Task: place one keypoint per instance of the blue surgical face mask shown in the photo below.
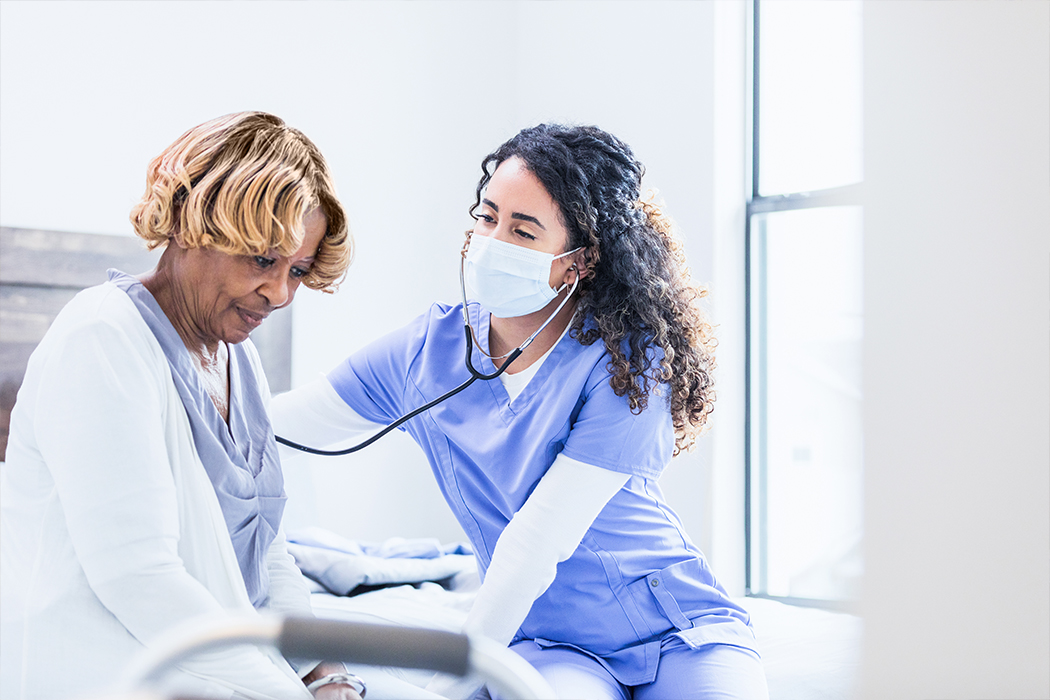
(507, 279)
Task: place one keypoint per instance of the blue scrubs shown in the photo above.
(636, 577)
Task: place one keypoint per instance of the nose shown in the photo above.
(278, 290)
(504, 232)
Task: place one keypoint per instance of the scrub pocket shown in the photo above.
(661, 594)
(680, 601)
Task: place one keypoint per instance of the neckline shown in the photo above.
(183, 363)
(547, 364)
(521, 380)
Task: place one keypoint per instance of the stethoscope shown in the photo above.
(474, 373)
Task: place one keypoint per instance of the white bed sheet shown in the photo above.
(808, 654)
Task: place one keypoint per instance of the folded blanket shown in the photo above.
(341, 565)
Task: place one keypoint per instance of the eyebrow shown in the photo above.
(515, 215)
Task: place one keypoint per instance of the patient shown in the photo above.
(142, 487)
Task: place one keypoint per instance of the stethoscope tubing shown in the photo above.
(474, 375)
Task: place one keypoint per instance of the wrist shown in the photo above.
(347, 679)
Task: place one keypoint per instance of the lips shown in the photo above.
(251, 319)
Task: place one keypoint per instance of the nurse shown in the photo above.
(552, 470)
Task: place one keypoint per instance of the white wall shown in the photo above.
(957, 350)
(405, 99)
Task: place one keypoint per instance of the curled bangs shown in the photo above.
(246, 208)
(242, 184)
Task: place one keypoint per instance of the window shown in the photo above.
(804, 303)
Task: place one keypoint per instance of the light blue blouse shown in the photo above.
(636, 578)
(241, 458)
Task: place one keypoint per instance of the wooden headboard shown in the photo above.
(40, 271)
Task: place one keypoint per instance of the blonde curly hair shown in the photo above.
(242, 184)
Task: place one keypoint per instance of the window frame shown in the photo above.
(846, 195)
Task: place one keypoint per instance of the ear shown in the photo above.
(582, 262)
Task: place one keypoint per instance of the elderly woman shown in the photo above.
(142, 487)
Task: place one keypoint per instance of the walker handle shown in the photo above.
(375, 645)
(356, 642)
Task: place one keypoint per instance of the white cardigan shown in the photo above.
(110, 530)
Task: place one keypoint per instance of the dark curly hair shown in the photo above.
(639, 293)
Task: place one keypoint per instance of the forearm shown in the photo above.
(334, 683)
(544, 532)
(289, 593)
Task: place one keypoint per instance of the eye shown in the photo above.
(299, 272)
(527, 236)
(263, 262)
(486, 218)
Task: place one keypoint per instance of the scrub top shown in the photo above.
(636, 578)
